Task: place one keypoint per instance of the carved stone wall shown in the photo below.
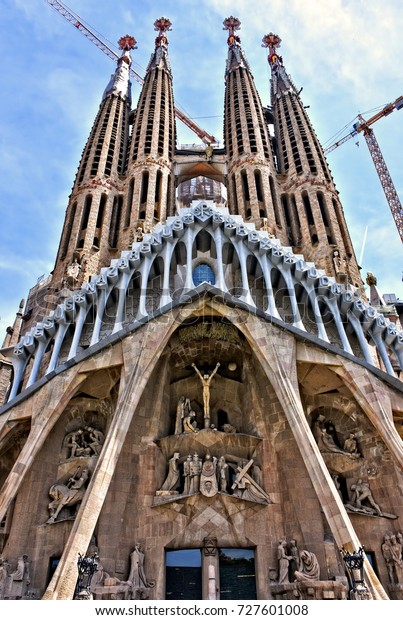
(243, 396)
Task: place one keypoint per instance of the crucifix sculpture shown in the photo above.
(206, 380)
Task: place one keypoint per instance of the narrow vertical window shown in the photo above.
(68, 229)
(274, 201)
(100, 219)
(245, 186)
(144, 188)
(115, 221)
(258, 184)
(235, 195)
(84, 221)
(129, 203)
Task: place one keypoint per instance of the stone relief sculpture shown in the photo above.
(95, 439)
(361, 492)
(67, 495)
(186, 475)
(283, 562)
(183, 409)
(295, 565)
(20, 578)
(173, 479)
(194, 473)
(361, 499)
(191, 474)
(397, 560)
(189, 423)
(83, 442)
(310, 568)
(137, 586)
(350, 445)
(137, 577)
(138, 235)
(340, 264)
(392, 553)
(327, 443)
(363, 502)
(387, 555)
(245, 486)
(222, 474)
(3, 577)
(73, 270)
(206, 380)
(73, 442)
(185, 418)
(14, 585)
(208, 477)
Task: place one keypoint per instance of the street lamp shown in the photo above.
(86, 566)
(354, 569)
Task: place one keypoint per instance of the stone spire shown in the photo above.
(159, 58)
(12, 336)
(150, 168)
(281, 83)
(91, 229)
(313, 214)
(13, 332)
(251, 167)
(236, 57)
(120, 84)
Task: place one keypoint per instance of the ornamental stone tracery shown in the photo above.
(269, 278)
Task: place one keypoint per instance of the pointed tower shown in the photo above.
(252, 185)
(91, 229)
(310, 203)
(210, 395)
(10, 340)
(150, 196)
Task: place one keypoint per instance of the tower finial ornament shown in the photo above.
(281, 81)
(127, 42)
(272, 41)
(162, 25)
(232, 24)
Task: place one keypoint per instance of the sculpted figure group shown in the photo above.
(85, 441)
(294, 565)
(362, 501)
(392, 551)
(326, 438)
(137, 586)
(360, 498)
(192, 474)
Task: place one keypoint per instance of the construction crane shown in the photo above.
(76, 21)
(364, 126)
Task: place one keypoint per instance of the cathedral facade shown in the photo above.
(208, 408)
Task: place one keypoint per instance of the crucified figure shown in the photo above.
(206, 380)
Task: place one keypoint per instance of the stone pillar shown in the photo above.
(277, 355)
(210, 570)
(142, 352)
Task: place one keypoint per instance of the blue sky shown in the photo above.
(345, 54)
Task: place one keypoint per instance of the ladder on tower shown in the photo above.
(364, 126)
(76, 21)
